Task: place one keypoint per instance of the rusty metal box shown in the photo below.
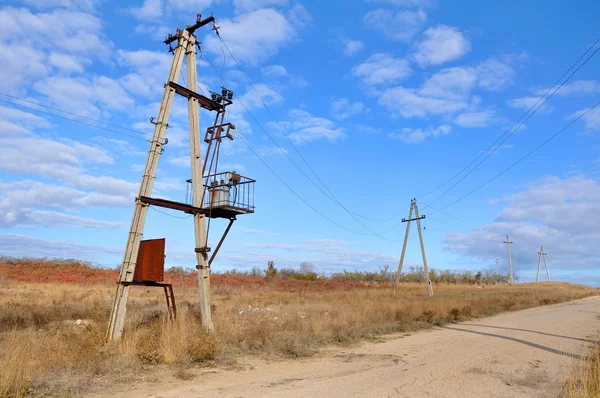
(150, 265)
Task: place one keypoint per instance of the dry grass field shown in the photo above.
(52, 334)
(584, 379)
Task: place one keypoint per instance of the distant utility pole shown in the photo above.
(511, 279)
(497, 262)
(413, 207)
(542, 253)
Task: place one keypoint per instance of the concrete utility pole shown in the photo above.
(117, 316)
(542, 253)
(410, 212)
(497, 262)
(413, 207)
(508, 243)
(197, 188)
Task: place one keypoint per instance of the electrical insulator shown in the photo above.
(224, 92)
(213, 96)
(230, 94)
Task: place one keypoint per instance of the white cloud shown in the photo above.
(494, 75)
(409, 103)
(270, 151)
(242, 6)
(31, 155)
(475, 119)
(153, 10)
(401, 25)
(70, 32)
(122, 147)
(352, 47)
(412, 135)
(182, 161)
(406, 3)
(82, 96)
(523, 102)
(25, 119)
(149, 71)
(57, 220)
(20, 245)
(25, 203)
(257, 231)
(535, 217)
(591, 119)
(88, 5)
(22, 63)
(153, 31)
(268, 95)
(149, 10)
(578, 87)
(304, 128)
(449, 91)
(274, 71)
(451, 83)
(367, 129)
(441, 44)
(326, 254)
(382, 68)
(299, 16)
(258, 35)
(342, 108)
(66, 63)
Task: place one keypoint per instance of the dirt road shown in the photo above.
(519, 354)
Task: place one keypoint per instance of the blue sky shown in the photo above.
(384, 99)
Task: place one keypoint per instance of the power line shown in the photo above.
(333, 197)
(442, 222)
(518, 120)
(522, 123)
(296, 165)
(170, 215)
(70, 113)
(296, 193)
(523, 158)
(74, 120)
(446, 214)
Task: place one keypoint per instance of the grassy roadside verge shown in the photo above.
(584, 377)
(52, 335)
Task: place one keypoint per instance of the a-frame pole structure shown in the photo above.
(117, 316)
(542, 253)
(510, 271)
(417, 218)
(186, 43)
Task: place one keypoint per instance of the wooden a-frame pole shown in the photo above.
(119, 309)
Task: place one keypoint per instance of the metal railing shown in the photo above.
(229, 190)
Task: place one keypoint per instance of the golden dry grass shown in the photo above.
(43, 351)
(584, 378)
